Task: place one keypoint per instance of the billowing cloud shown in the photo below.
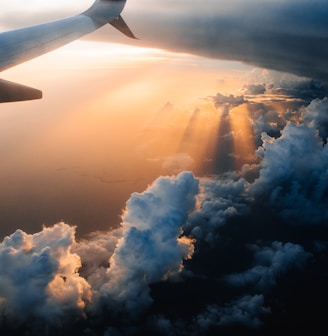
(219, 200)
(152, 247)
(95, 252)
(40, 283)
(316, 114)
(39, 278)
(293, 174)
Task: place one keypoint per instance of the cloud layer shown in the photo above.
(230, 252)
(286, 36)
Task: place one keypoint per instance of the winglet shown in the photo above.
(120, 24)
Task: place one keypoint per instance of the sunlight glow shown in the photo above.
(113, 118)
(244, 145)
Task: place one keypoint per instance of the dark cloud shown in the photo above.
(301, 88)
(274, 99)
(270, 263)
(230, 101)
(292, 87)
(255, 89)
(290, 36)
(244, 311)
(266, 119)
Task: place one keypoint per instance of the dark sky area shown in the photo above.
(235, 245)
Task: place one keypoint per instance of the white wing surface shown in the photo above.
(20, 45)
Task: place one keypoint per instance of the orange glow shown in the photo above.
(111, 121)
(244, 146)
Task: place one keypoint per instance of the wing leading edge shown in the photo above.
(20, 45)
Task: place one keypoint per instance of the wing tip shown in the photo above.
(14, 92)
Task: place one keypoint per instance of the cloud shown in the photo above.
(278, 180)
(215, 254)
(39, 282)
(268, 121)
(220, 200)
(230, 101)
(293, 175)
(234, 215)
(178, 239)
(289, 36)
(316, 115)
(254, 89)
(95, 251)
(152, 247)
(274, 99)
(271, 263)
(39, 279)
(244, 311)
(276, 83)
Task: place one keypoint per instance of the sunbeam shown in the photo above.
(243, 137)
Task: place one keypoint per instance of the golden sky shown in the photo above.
(113, 118)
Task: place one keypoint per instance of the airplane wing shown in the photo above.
(20, 45)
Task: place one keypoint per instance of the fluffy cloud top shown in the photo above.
(152, 247)
(39, 280)
(39, 276)
(293, 175)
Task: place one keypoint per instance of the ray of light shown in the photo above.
(243, 138)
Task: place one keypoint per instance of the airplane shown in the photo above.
(20, 45)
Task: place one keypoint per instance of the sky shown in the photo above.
(172, 185)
